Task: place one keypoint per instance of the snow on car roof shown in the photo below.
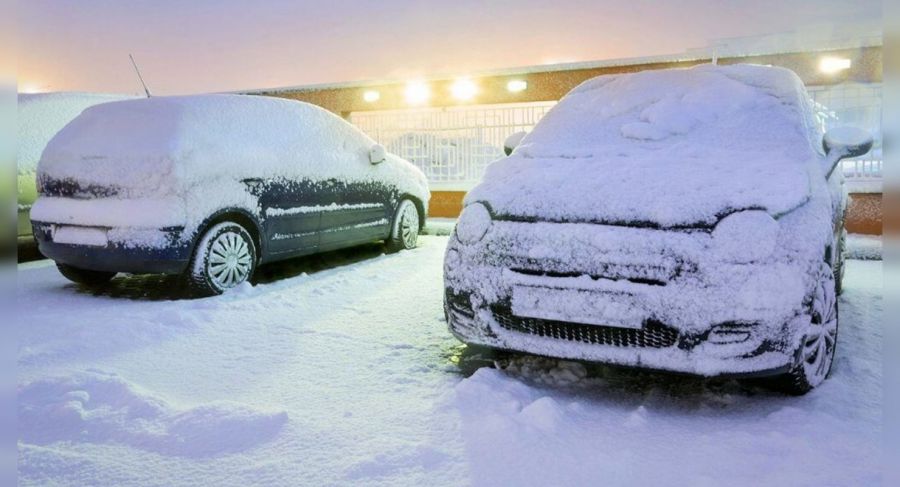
(227, 131)
(669, 147)
(196, 138)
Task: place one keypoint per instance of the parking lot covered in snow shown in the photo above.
(340, 369)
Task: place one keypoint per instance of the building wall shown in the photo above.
(555, 81)
(864, 215)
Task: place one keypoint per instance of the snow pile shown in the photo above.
(671, 147)
(863, 247)
(103, 408)
(197, 150)
(439, 226)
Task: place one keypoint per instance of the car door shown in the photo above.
(291, 210)
(358, 207)
(358, 211)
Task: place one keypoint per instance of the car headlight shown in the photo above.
(473, 224)
(745, 236)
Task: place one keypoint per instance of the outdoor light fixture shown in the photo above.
(831, 65)
(517, 85)
(417, 92)
(371, 96)
(463, 89)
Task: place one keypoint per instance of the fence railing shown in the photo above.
(452, 145)
(862, 169)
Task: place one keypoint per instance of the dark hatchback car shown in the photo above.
(213, 186)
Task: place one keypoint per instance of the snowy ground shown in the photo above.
(340, 370)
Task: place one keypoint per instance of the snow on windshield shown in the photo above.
(740, 107)
(676, 147)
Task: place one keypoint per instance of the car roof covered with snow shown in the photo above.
(668, 148)
(164, 144)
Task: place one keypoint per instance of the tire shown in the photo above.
(224, 258)
(818, 346)
(405, 228)
(839, 264)
(84, 276)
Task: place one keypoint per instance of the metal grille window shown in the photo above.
(452, 145)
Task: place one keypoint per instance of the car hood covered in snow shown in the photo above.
(666, 148)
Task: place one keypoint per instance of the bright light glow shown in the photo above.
(517, 85)
(371, 96)
(831, 65)
(464, 89)
(30, 88)
(417, 92)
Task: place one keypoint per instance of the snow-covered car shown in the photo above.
(685, 220)
(213, 185)
(40, 116)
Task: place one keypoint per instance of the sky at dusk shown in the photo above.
(190, 46)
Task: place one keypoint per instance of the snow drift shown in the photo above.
(103, 408)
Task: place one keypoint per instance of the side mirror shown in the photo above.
(377, 154)
(513, 141)
(845, 142)
(848, 141)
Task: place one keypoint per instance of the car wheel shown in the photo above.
(405, 231)
(224, 258)
(818, 346)
(84, 276)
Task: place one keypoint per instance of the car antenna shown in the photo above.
(138, 71)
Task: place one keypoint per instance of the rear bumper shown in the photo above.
(172, 258)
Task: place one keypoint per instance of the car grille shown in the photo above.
(460, 304)
(652, 335)
(620, 253)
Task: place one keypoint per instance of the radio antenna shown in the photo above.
(138, 71)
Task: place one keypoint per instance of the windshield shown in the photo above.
(702, 111)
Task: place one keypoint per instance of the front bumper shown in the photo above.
(672, 309)
(655, 346)
(170, 253)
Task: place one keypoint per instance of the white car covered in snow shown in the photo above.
(211, 186)
(687, 220)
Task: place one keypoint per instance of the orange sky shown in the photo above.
(219, 45)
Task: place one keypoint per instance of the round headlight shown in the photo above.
(745, 236)
(473, 224)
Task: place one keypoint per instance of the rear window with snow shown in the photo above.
(42, 115)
